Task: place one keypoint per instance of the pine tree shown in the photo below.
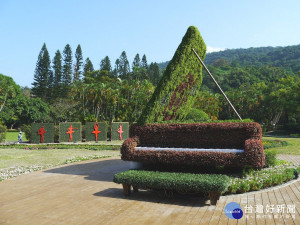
(57, 72)
(144, 63)
(136, 61)
(105, 64)
(116, 69)
(88, 66)
(41, 74)
(124, 68)
(67, 69)
(78, 64)
(154, 73)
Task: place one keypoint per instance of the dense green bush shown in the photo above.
(180, 84)
(2, 132)
(184, 182)
(197, 115)
(27, 130)
(270, 158)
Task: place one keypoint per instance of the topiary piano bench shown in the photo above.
(197, 144)
(212, 184)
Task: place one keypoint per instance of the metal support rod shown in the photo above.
(211, 76)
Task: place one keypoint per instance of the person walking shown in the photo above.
(20, 137)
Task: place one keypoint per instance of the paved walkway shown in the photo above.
(84, 193)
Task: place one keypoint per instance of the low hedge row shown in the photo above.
(183, 182)
(62, 146)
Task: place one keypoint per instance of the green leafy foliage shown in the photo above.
(270, 158)
(286, 57)
(259, 179)
(185, 182)
(178, 88)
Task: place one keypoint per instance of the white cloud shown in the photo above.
(210, 49)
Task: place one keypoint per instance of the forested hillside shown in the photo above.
(285, 57)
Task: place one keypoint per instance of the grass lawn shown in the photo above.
(13, 136)
(12, 157)
(293, 147)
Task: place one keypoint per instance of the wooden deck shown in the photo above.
(84, 193)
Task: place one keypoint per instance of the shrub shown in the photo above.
(270, 158)
(27, 130)
(3, 130)
(176, 92)
(183, 182)
(197, 115)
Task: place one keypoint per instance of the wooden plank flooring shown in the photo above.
(84, 193)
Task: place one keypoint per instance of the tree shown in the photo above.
(136, 62)
(105, 64)
(154, 73)
(23, 110)
(116, 69)
(57, 71)
(78, 64)
(88, 66)
(123, 70)
(42, 74)
(144, 63)
(67, 68)
(8, 89)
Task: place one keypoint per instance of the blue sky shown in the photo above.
(155, 28)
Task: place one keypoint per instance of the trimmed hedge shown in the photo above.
(90, 127)
(176, 92)
(63, 128)
(48, 135)
(245, 136)
(184, 182)
(115, 135)
(94, 147)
